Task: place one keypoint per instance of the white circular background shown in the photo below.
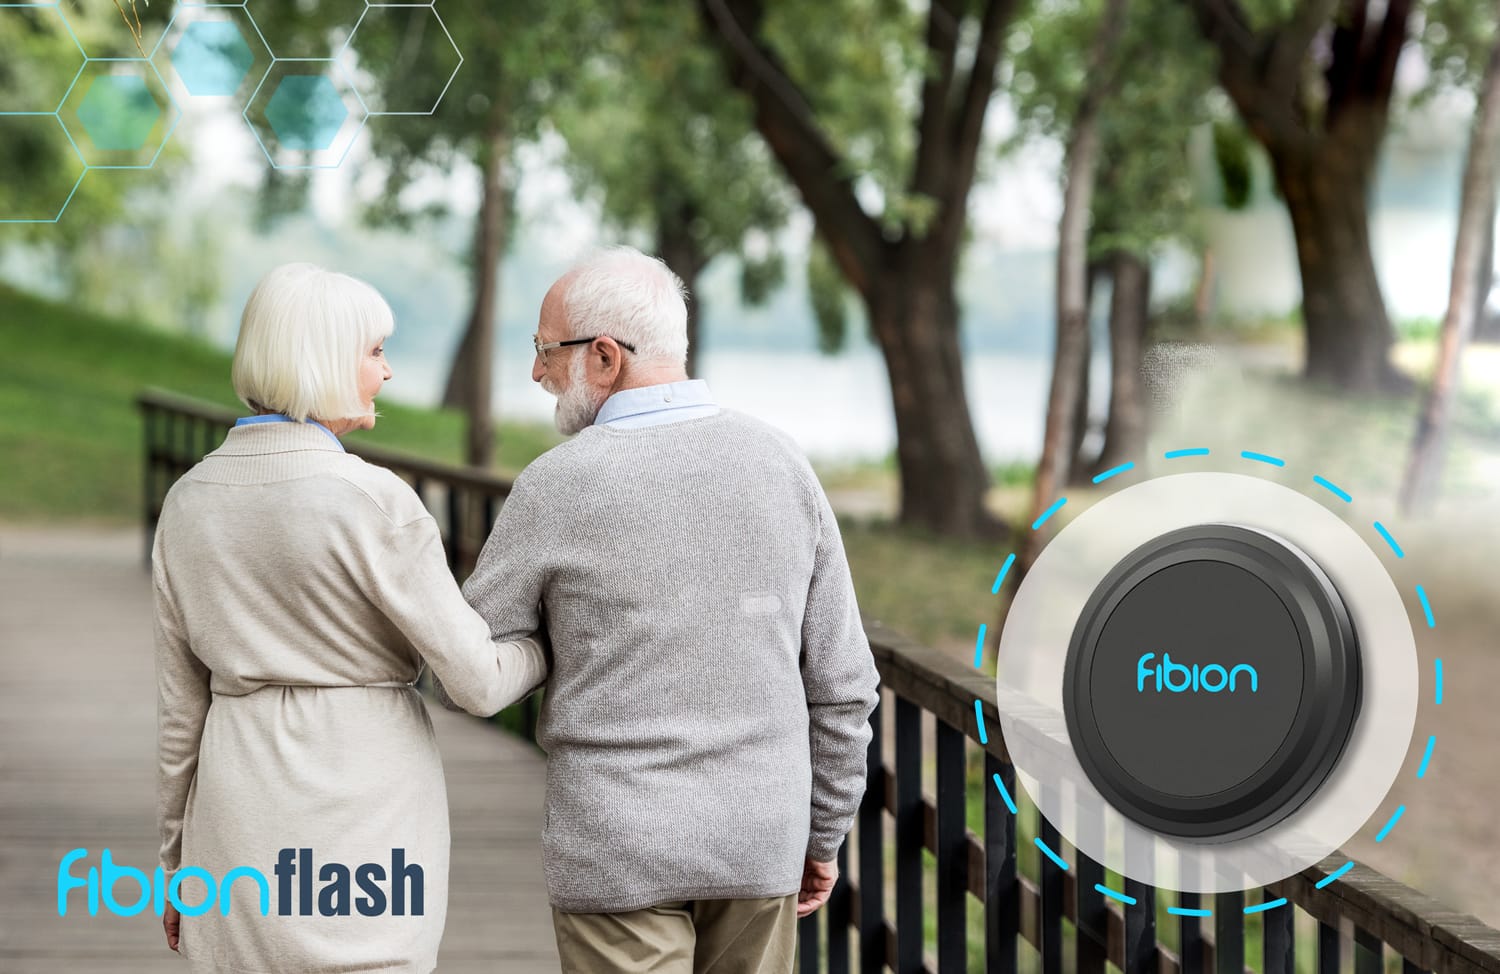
(1034, 646)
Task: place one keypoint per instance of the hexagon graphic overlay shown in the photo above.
(403, 58)
(212, 52)
(119, 113)
(212, 57)
(305, 113)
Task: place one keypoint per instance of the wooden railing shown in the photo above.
(1375, 922)
(928, 699)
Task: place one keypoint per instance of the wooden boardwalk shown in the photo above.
(77, 768)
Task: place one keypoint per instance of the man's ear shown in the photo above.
(608, 357)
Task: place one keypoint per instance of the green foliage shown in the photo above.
(1232, 150)
(860, 63)
(1456, 37)
(932, 589)
(657, 133)
(1424, 329)
(1162, 72)
(518, 56)
(829, 296)
(760, 277)
(38, 61)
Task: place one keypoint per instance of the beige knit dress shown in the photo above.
(298, 590)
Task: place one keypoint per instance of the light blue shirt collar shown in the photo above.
(668, 402)
(279, 418)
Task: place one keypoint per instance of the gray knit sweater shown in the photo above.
(707, 714)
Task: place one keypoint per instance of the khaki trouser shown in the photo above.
(750, 936)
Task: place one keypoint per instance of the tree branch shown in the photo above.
(1271, 115)
(787, 123)
(1348, 51)
(1225, 25)
(944, 18)
(965, 134)
(1288, 49)
(1379, 77)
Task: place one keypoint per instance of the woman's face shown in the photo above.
(374, 370)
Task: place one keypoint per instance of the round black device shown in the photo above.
(1212, 682)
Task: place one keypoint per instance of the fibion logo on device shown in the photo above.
(333, 898)
(1171, 677)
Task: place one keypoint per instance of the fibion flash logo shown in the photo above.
(334, 898)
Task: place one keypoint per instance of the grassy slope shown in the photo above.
(70, 435)
(70, 450)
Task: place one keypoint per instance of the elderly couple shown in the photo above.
(673, 575)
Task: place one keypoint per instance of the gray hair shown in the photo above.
(631, 297)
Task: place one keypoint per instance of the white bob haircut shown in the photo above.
(633, 298)
(303, 334)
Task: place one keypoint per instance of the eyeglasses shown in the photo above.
(541, 346)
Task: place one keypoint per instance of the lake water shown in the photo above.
(837, 408)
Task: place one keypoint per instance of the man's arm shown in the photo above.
(842, 686)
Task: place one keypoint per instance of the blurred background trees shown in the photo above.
(829, 175)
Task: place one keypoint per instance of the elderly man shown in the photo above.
(707, 715)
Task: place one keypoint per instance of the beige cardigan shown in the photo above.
(298, 590)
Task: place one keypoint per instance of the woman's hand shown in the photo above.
(171, 922)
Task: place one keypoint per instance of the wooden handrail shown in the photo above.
(471, 478)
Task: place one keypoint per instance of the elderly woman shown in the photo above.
(298, 590)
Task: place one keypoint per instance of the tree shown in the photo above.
(1144, 198)
(673, 155)
(116, 233)
(1070, 360)
(1142, 194)
(1473, 257)
(888, 195)
(518, 57)
(1314, 88)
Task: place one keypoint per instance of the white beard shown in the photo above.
(577, 404)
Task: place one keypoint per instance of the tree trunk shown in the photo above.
(681, 251)
(1077, 463)
(1070, 357)
(1476, 215)
(1486, 326)
(470, 384)
(905, 277)
(914, 316)
(1348, 333)
(1203, 295)
(1323, 135)
(1129, 312)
